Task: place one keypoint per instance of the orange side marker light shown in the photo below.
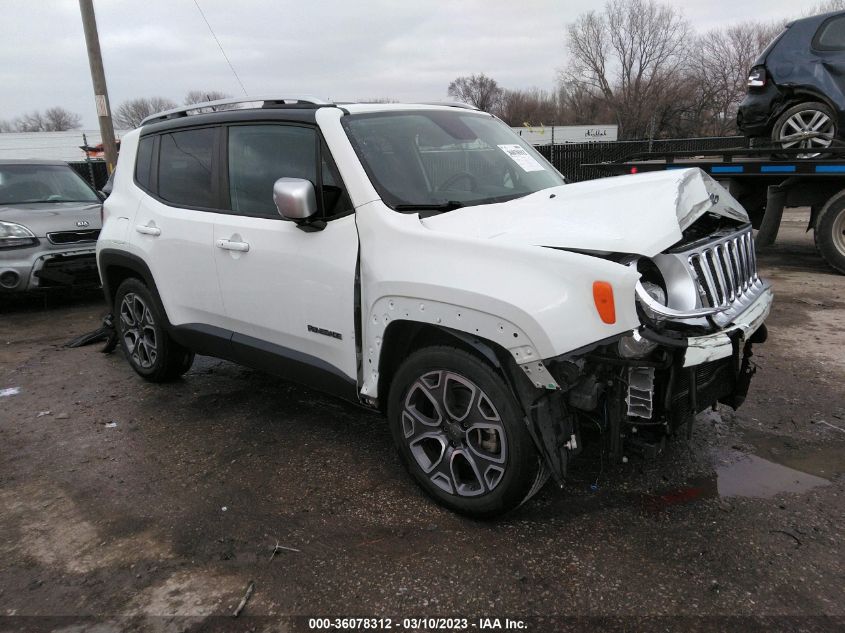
(603, 297)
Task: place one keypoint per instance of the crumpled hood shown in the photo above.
(642, 214)
(46, 217)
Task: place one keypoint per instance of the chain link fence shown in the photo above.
(570, 158)
(93, 171)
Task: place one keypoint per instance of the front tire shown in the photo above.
(829, 232)
(139, 323)
(461, 435)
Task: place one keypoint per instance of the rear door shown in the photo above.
(286, 291)
(174, 228)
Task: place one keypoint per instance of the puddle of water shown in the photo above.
(738, 475)
(743, 475)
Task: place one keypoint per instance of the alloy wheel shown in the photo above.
(454, 433)
(809, 129)
(137, 327)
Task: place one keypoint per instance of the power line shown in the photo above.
(220, 46)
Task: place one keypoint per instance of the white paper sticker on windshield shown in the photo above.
(522, 158)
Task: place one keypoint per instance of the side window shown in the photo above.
(261, 154)
(831, 35)
(184, 167)
(144, 161)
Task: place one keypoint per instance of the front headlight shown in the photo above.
(16, 236)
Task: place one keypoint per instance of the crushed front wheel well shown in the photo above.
(403, 338)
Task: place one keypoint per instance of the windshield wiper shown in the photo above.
(441, 207)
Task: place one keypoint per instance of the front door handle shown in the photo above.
(148, 230)
(226, 245)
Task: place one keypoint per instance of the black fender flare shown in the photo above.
(110, 258)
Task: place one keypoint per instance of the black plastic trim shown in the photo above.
(109, 257)
(275, 359)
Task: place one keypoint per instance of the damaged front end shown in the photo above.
(702, 306)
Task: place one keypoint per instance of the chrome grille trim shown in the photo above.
(724, 270)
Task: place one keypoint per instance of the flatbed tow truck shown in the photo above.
(765, 181)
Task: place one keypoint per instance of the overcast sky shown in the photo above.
(402, 49)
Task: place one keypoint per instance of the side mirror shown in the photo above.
(295, 198)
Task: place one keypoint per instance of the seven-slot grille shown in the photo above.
(726, 269)
(74, 237)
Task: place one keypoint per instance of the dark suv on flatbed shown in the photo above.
(796, 88)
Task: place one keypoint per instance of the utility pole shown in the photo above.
(98, 78)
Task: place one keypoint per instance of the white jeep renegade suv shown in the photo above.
(425, 261)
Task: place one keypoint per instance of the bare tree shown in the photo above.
(528, 107)
(58, 119)
(719, 72)
(6, 126)
(30, 122)
(201, 96)
(129, 114)
(578, 105)
(824, 6)
(478, 90)
(631, 54)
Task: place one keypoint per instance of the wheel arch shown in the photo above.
(117, 266)
(799, 95)
(496, 339)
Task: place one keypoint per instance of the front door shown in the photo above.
(287, 292)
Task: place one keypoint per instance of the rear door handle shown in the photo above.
(226, 245)
(148, 230)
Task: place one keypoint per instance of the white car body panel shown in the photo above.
(643, 214)
(543, 295)
(289, 280)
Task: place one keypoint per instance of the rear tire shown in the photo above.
(829, 232)
(461, 433)
(140, 331)
(806, 125)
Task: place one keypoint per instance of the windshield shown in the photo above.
(20, 184)
(443, 160)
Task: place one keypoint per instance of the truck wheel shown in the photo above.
(811, 125)
(829, 232)
(461, 434)
(148, 348)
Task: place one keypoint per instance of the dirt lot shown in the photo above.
(120, 499)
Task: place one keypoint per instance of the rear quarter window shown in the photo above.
(831, 34)
(144, 162)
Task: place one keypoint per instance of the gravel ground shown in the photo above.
(141, 507)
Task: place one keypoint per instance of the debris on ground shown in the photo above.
(833, 426)
(41, 414)
(281, 548)
(250, 588)
(105, 333)
(111, 425)
(797, 540)
(10, 391)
